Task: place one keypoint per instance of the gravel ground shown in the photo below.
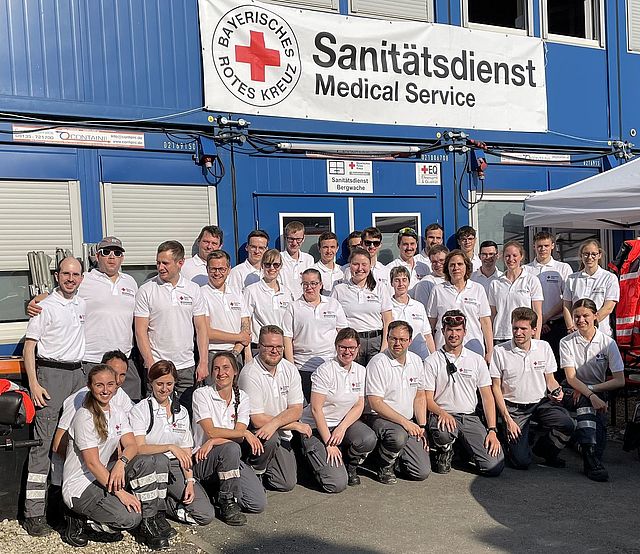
(15, 540)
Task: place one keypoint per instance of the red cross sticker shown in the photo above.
(258, 56)
(424, 169)
(352, 165)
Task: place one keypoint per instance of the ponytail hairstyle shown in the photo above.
(371, 280)
(588, 304)
(236, 389)
(91, 404)
(583, 245)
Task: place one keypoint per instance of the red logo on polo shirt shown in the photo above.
(256, 55)
(233, 416)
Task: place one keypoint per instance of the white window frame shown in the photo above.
(333, 5)
(527, 31)
(630, 30)
(598, 42)
(13, 332)
(430, 15)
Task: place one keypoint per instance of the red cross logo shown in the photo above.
(352, 165)
(258, 56)
(424, 169)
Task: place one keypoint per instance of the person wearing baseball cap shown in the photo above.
(110, 298)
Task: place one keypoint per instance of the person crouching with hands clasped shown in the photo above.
(453, 375)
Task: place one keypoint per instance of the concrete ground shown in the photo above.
(539, 510)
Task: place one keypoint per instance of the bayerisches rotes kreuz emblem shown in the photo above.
(256, 55)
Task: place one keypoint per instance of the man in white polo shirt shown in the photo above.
(525, 389)
(552, 275)
(195, 268)
(168, 310)
(329, 270)
(109, 295)
(408, 246)
(294, 260)
(433, 236)
(488, 271)
(437, 257)
(395, 392)
(275, 393)
(58, 334)
(229, 321)
(250, 271)
(453, 377)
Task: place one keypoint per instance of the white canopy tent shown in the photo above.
(609, 200)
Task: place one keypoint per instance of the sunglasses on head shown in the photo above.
(372, 242)
(454, 320)
(407, 231)
(274, 265)
(115, 251)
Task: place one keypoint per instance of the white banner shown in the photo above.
(269, 60)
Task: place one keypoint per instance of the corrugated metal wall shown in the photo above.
(97, 54)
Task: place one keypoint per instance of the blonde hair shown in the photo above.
(91, 404)
(586, 243)
(271, 256)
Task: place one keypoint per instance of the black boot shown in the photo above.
(442, 459)
(164, 526)
(544, 449)
(593, 467)
(74, 532)
(386, 475)
(149, 534)
(353, 478)
(231, 513)
(97, 533)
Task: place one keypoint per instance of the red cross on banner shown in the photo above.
(258, 56)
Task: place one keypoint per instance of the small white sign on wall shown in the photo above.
(428, 174)
(349, 176)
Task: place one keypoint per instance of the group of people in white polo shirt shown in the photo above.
(247, 375)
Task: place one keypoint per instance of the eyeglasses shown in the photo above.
(375, 243)
(310, 284)
(107, 251)
(217, 269)
(278, 348)
(590, 254)
(454, 320)
(347, 348)
(274, 265)
(401, 340)
(293, 239)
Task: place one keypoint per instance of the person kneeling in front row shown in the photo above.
(96, 489)
(453, 375)
(395, 391)
(340, 441)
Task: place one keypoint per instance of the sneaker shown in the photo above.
(353, 479)
(37, 526)
(164, 526)
(231, 513)
(386, 475)
(149, 535)
(74, 533)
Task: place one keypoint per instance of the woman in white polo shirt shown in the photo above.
(586, 355)
(221, 414)
(366, 304)
(340, 442)
(162, 430)
(95, 488)
(516, 288)
(413, 312)
(591, 282)
(459, 292)
(268, 299)
(310, 326)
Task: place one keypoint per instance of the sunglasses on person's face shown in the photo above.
(107, 251)
(274, 265)
(375, 243)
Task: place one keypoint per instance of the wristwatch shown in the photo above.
(124, 459)
(494, 429)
